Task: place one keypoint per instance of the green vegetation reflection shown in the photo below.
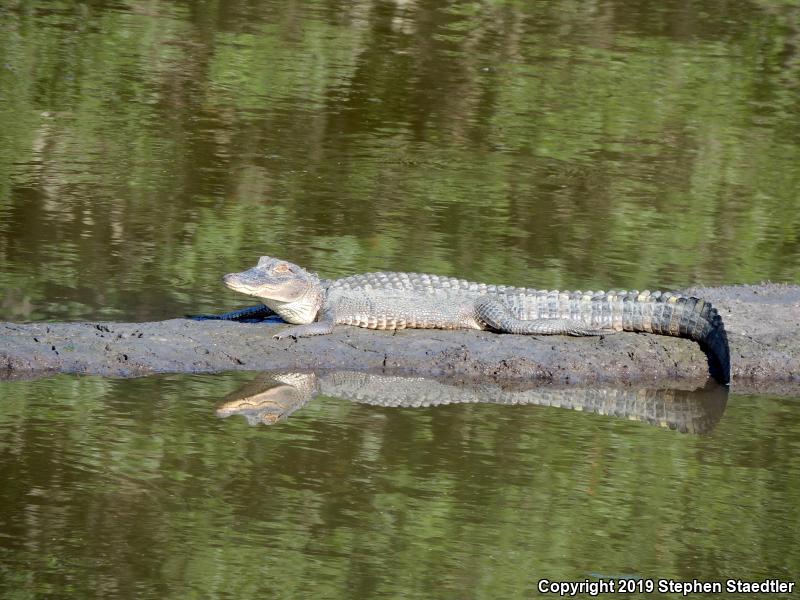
(150, 148)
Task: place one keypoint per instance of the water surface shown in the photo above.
(134, 488)
(148, 148)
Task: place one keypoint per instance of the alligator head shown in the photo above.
(292, 292)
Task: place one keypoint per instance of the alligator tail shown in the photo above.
(681, 316)
(715, 339)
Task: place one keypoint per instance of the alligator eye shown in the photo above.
(282, 268)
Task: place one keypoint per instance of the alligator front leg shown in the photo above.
(259, 311)
(317, 328)
(498, 317)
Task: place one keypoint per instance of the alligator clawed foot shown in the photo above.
(284, 335)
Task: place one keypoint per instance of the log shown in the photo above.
(763, 324)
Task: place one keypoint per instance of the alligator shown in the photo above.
(390, 300)
(272, 397)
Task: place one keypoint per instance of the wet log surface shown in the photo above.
(763, 325)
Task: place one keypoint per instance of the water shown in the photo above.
(147, 148)
(134, 488)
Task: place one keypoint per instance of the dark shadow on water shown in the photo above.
(272, 397)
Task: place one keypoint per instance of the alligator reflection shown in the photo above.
(272, 397)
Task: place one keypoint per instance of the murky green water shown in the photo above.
(146, 148)
(149, 147)
(134, 488)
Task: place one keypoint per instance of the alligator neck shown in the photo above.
(301, 311)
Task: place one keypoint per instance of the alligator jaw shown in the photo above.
(257, 282)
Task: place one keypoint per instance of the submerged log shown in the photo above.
(763, 325)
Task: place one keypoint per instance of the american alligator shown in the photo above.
(272, 397)
(388, 300)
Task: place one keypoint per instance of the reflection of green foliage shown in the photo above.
(250, 71)
(134, 485)
(148, 150)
